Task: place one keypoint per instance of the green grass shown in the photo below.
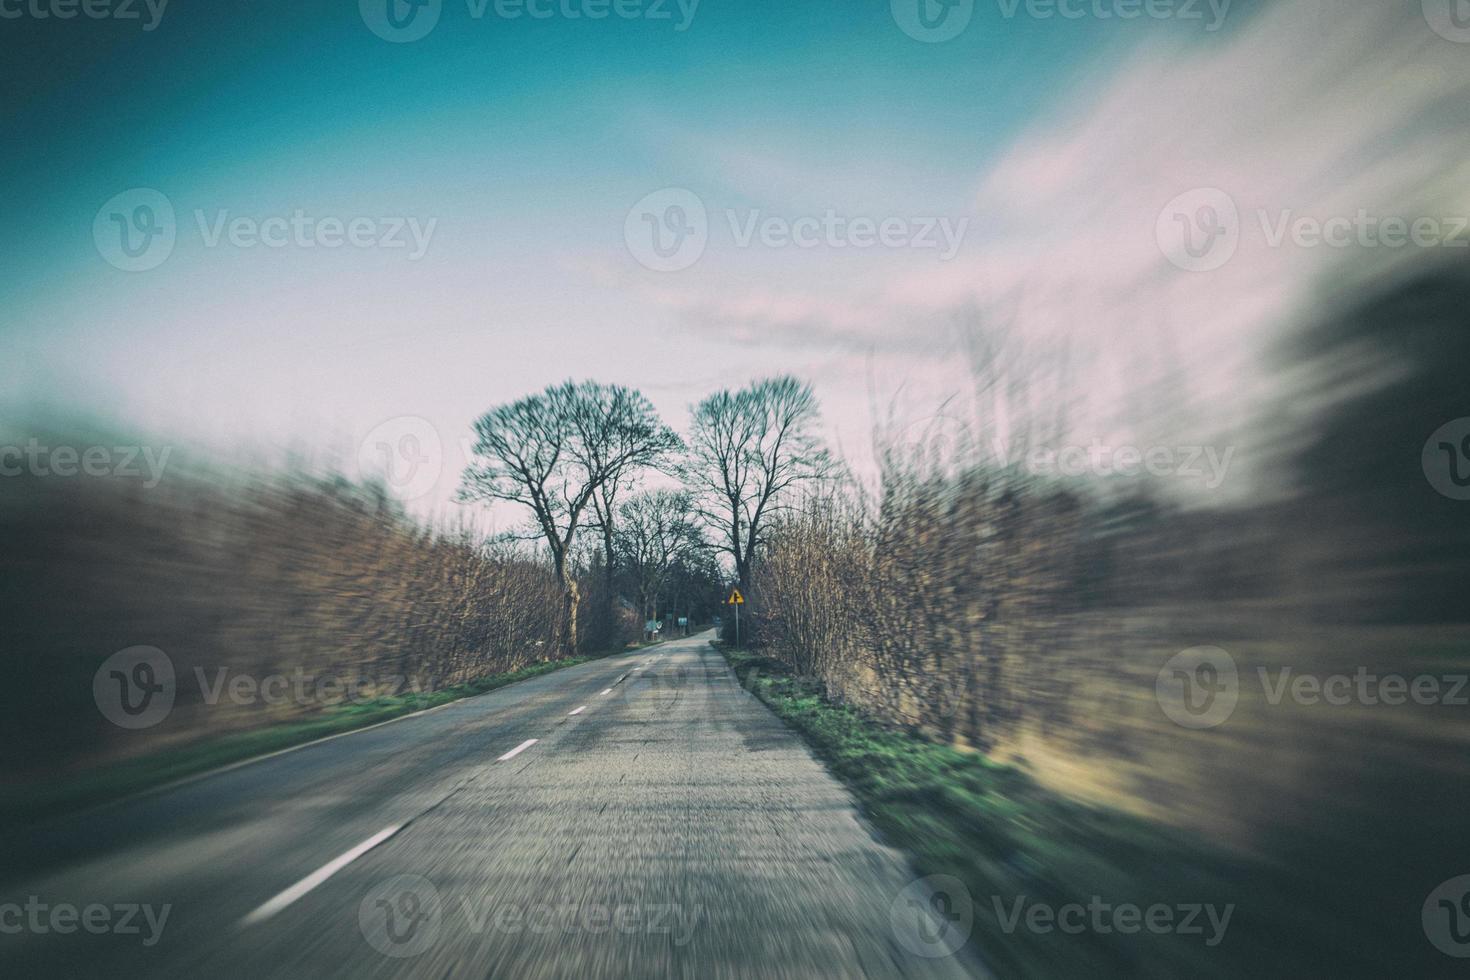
(31, 802)
(1003, 835)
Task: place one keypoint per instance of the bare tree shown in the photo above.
(747, 449)
(605, 510)
(552, 452)
(656, 531)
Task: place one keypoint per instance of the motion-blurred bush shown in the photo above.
(272, 574)
(1030, 619)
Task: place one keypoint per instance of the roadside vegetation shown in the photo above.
(277, 602)
(1023, 623)
(136, 775)
(1015, 844)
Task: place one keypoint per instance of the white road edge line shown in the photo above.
(318, 876)
(518, 749)
(577, 711)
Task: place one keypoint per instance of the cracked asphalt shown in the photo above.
(670, 827)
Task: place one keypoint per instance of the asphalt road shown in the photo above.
(663, 823)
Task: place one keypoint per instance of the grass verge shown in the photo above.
(1017, 846)
(23, 804)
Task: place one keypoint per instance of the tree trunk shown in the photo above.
(571, 599)
(607, 559)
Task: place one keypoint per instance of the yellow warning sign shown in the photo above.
(736, 599)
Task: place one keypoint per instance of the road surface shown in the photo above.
(661, 823)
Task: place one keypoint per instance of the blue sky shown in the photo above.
(525, 143)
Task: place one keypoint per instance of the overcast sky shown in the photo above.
(1021, 177)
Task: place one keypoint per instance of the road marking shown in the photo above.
(518, 749)
(318, 876)
(608, 691)
(578, 711)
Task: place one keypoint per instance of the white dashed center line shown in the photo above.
(608, 691)
(578, 711)
(518, 750)
(318, 876)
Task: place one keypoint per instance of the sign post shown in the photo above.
(737, 600)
